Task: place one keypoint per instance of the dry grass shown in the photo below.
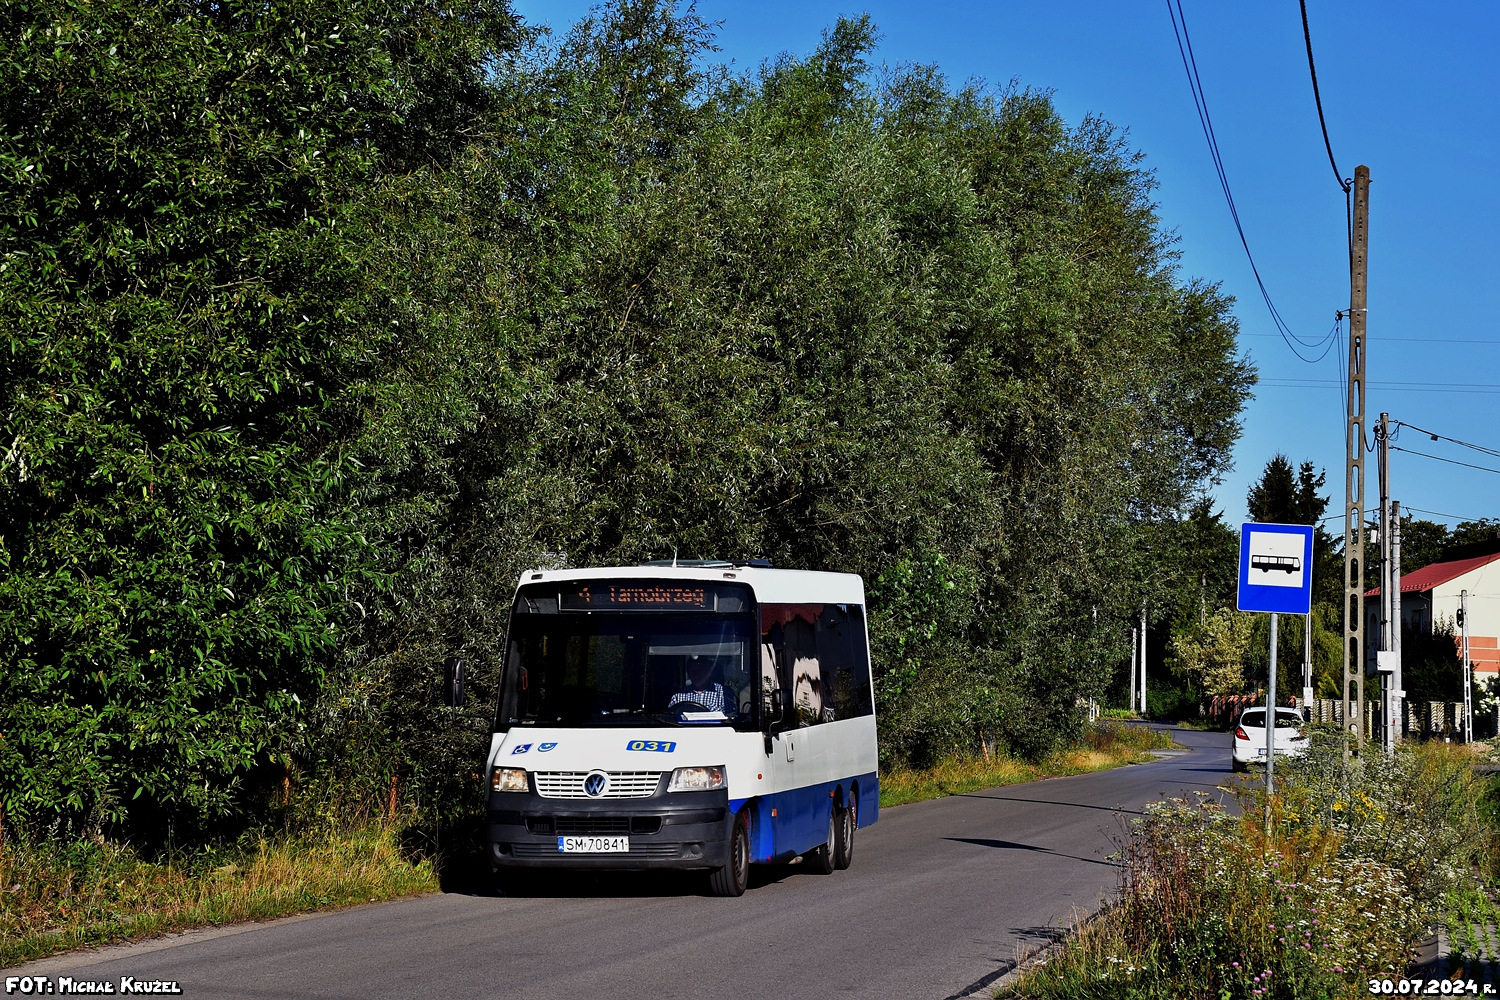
(1108, 744)
(1358, 858)
(57, 897)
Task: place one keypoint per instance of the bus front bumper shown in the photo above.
(679, 830)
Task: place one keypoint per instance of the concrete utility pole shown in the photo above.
(1398, 695)
(1463, 625)
(1354, 474)
(1383, 476)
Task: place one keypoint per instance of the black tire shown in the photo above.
(822, 859)
(512, 882)
(731, 879)
(1235, 765)
(843, 851)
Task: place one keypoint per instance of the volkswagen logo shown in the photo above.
(595, 784)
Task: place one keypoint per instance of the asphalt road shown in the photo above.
(941, 900)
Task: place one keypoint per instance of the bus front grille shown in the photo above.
(621, 784)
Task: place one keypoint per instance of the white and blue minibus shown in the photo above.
(703, 715)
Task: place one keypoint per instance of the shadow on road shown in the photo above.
(1010, 845)
(1050, 802)
(565, 884)
(1031, 941)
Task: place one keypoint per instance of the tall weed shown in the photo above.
(1360, 855)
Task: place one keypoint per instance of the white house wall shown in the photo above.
(1483, 585)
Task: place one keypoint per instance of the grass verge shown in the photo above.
(1108, 744)
(56, 897)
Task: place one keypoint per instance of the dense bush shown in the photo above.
(327, 320)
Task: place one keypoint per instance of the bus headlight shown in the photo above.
(509, 779)
(696, 779)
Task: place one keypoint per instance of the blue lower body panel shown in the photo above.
(792, 822)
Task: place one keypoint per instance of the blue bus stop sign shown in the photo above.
(1276, 568)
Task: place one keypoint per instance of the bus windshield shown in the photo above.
(632, 668)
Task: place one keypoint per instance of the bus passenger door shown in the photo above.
(782, 737)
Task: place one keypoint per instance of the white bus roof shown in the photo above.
(773, 586)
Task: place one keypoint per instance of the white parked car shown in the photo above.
(1290, 736)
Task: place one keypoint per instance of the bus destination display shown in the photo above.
(652, 595)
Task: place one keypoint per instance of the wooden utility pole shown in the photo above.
(1354, 478)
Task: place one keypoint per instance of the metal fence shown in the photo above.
(1422, 720)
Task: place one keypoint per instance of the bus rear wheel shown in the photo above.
(822, 859)
(843, 851)
(735, 875)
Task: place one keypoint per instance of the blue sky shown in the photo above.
(1405, 91)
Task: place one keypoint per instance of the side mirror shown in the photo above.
(778, 710)
(453, 682)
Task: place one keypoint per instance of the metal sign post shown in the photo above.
(1271, 724)
(1307, 681)
(1463, 624)
(1275, 578)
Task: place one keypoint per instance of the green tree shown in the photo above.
(1213, 654)
(1473, 538)
(1422, 543)
(186, 314)
(798, 315)
(332, 320)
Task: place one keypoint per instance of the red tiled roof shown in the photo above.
(1437, 574)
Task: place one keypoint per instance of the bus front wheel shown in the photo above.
(735, 875)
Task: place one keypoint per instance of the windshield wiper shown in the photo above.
(669, 717)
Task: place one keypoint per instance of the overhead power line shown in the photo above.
(1443, 437)
(1312, 70)
(1438, 513)
(1344, 182)
(1190, 64)
(1450, 461)
(1408, 507)
(1480, 388)
(1407, 340)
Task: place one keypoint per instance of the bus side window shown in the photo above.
(857, 693)
(806, 681)
(801, 644)
(845, 662)
(834, 655)
(770, 668)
